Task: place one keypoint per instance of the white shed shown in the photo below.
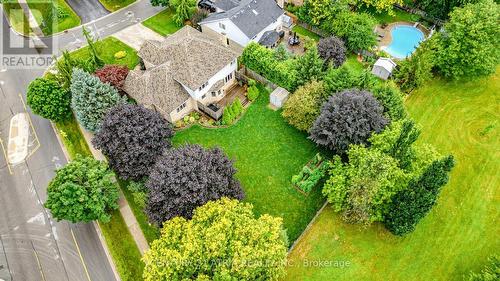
(278, 97)
(383, 68)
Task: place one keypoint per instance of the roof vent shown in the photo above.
(255, 12)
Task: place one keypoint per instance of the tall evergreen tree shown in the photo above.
(412, 204)
(95, 59)
(309, 67)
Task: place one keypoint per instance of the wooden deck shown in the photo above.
(236, 91)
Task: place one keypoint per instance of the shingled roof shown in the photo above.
(187, 56)
(250, 16)
(194, 56)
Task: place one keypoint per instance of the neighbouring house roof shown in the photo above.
(156, 87)
(194, 56)
(250, 16)
(269, 38)
(187, 56)
(386, 63)
(226, 5)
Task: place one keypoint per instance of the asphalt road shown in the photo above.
(33, 246)
(88, 10)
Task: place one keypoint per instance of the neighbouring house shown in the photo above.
(238, 22)
(186, 71)
(383, 68)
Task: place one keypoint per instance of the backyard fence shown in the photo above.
(248, 73)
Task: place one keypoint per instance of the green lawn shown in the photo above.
(305, 32)
(107, 48)
(162, 23)
(121, 244)
(15, 14)
(150, 231)
(462, 229)
(384, 17)
(267, 152)
(114, 5)
(43, 11)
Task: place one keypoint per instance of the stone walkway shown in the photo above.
(127, 214)
(136, 34)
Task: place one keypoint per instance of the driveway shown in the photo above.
(136, 34)
(88, 10)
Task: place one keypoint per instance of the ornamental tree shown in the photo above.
(389, 96)
(332, 50)
(113, 74)
(469, 45)
(47, 99)
(349, 117)
(412, 204)
(184, 9)
(82, 191)
(338, 79)
(362, 188)
(132, 138)
(303, 107)
(223, 241)
(91, 99)
(416, 70)
(186, 178)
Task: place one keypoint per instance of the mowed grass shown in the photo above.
(162, 23)
(106, 49)
(267, 152)
(42, 10)
(459, 234)
(114, 5)
(385, 17)
(305, 32)
(15, 15)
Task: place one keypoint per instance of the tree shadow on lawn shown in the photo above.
(267, 153)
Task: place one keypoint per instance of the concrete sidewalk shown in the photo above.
(125, 210)
(135, 35)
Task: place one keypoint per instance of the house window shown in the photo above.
(221, 25)
(227, 41)
(181, 107)
(219, 92)
(204, 96)
(203, 86)
(228, 78)
(214, 94)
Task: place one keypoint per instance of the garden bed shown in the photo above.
(310, 175)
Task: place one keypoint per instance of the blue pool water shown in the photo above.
(405, 40)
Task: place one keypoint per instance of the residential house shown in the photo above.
(239, 22)
(187, 71)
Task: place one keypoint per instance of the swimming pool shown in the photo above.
(405, 40)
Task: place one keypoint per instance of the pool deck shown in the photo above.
(386, 38)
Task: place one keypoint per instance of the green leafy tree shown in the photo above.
(440, 8)
(381, 5)
(95, 60)
(252, 91)
(82, 191)
(281, 53)
(303, 107)
(416, 70)
(489, 272)
(389, 96)
(469, 45)
(362, 188)
(47, 99)
(412, 204)
(91, 99)
(339, 79)
(309, 67)
(356, 29)
(223, 241)
(184, 9)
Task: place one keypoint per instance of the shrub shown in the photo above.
(362, 188)
(198, 16)
(391, 99)
(349, 117)
(48, 100)
(120, 55)
(186, 178)
(332, 50)
(91, 99)
(416, 70)
(489, 272)
(82, 191)
(339, 79)
(132, 138)
(217, 244)
(252, 91)
(113, 74)
(303, 106)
